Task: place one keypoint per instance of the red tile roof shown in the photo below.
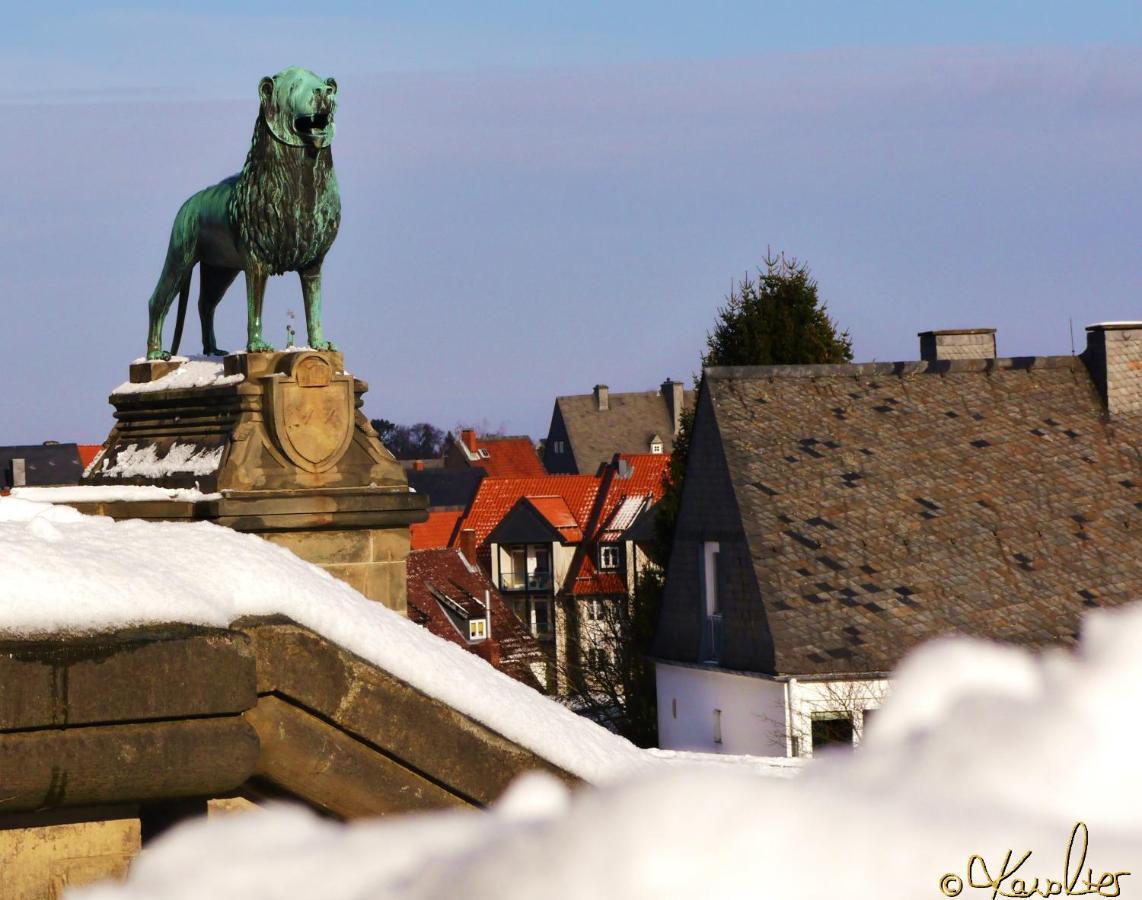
(437, 531)
(634, 477)
(442, 577)
(509, 457)
(496, 497)
(555, 511)
(87, 453)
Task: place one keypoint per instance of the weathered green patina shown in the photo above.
(279, 214)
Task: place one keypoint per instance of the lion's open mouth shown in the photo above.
(311, 126)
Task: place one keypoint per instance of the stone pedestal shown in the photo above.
(269, 443)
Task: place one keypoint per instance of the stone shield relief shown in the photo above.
(311, 412)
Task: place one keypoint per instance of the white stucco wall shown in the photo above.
(753, 709)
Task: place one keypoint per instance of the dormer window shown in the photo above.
(610, 557)
(656, 445)
(484, 454)
(477, 629)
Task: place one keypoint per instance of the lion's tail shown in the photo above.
(180, 316)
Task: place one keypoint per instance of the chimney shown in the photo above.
(957, 343)
(468, 439)
(468, 544)
(602, 397)
(672, 391)
(1113, 356)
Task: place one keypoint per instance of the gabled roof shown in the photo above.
(632, 483)
(557, 513)
(444, 588)
(87, 454)
(880, 505)
(437, 531)
(508, 456)
(499, 455)
(626, 426)
(496, 496)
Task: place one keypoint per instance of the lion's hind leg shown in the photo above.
(180, 260)
(213, 282)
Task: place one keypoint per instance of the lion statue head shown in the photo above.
(298, 107)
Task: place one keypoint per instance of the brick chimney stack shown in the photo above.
(602, 397)
(1113, 356)
(468, 544)
(957, 343)
(674, 394)
(468, 438)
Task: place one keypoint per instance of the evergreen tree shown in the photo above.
(777, 320)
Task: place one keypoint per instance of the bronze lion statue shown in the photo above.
(279, 214)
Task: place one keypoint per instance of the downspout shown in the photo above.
(789, 685)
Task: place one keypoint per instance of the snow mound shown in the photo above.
(980, 750)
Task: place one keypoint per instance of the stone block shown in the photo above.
(325, 547)
(354, 575)
(353, 780)
(387, 583)
(125, 676)
(107, 764)
(41, 861)
(390, 544)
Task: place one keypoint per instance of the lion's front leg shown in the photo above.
(311, 292)
(255, 295)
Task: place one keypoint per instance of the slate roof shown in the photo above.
(44, 464)
(442, 578)
(625, 427)
(885, 504)
(446, 488)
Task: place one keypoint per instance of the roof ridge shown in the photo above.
(919, 367)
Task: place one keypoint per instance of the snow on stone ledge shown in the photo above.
(63, 572)
(195, 372)
(91, 493)
(134, 461)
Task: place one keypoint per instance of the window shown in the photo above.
(610, 556)
(542, 617)
(558, 446)
(717, 726)
(484, 454)
(477, 629)
(674, 708)
(710, 551)
(594, 609)
(832, 728)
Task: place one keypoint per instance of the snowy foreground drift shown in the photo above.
(980, 750)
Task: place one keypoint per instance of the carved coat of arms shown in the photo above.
(311, 412)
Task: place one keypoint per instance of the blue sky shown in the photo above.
(539, 197)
